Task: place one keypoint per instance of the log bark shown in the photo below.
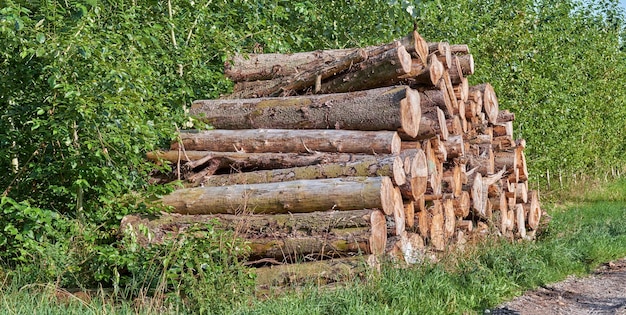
(291, 141)
(385, 69)
(377, 109)
(371, 166)
(287, 197)
(459, 49)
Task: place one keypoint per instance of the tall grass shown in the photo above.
(579, 238)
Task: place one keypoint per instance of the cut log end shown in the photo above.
(410, 111)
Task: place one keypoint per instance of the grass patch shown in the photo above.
(580, 237)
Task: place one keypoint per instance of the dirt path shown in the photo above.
(604, 292)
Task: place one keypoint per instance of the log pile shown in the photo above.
(382, 151)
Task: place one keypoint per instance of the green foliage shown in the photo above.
(557, 65)
(200, 270)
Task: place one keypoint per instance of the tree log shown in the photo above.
(372, 166)
(287, 197)
(409, 214)
(292, 141)
(467, 64)
(421, 74)
(432, 123)
(299, 81)
(416, 46)
(490, 101)
(385, 69)
(437, 234)
(416, 169)
(317, 272)
(456, 73)
(378, 237)
(449, 218)
(443, 52)
(336, 243)
(454, 146)
(167, 226)
(534, 210)
(461, 91)
(520, 220)
(237, 161)
(377, 109)
(253, 67)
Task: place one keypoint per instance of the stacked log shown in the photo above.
(381, 151)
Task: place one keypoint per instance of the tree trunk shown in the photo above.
(455, 146)
(383, 70)
(287, 197)
(372, 166)
(377, 109)
(292, 141)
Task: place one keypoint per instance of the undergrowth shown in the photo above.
(579, 238)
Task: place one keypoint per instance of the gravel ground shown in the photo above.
(603, 292)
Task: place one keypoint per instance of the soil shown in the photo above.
(603, 292)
